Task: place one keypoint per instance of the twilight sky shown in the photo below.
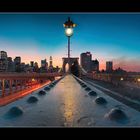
(109, 37)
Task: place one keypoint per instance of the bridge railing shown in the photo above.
(16, 80)
(28, 75)
(115, 79)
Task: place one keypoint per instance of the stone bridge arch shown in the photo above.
(72, 61)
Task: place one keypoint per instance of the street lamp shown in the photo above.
(121, 79)
(69, 32)
(69, 25)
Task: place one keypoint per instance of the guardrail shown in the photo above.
(115, 78)
(28, 75)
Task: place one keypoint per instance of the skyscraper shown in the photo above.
(51, 64)
(22, 66)
(11, 67)
(36, 69)
(51, 61)
(3, 61)
(3, 55)
(44, 65)
(109, 66)
(95, 65)
(17, 60)
(85, 61)
(17, 63)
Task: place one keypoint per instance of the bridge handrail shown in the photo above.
(6, 75)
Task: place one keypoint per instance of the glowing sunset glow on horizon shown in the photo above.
(109, 37)
(57, 61)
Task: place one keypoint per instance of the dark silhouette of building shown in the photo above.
(56, 69)
(95, 65)
(120, 71)
(3, 55)
(44, 66)
(51, 65)
(32, 63)
(36, 68)
(22, 67)
(109, 66)
(11, 67)
(51, 62)
(3, 61)
(88, 64)
(85, 61)
(17, 62)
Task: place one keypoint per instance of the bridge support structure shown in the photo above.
(14, 82)
(69, 61)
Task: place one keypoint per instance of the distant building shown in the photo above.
(36, 68)
(85, 61)
(17, 62)
(27, 68)
(11, 66)
(51, 65)
(51, 62)
(36, 64)
(56, 69)
(119, 71)
(32, 63)
(32, 66)
(43, 63)
(44, 66)
(109, 66)
(3, 55)
(3, 61)
(3, 65)
(22, 66)
(95, 65)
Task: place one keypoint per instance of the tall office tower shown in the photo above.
(3, 61)
(109, 66)
(95, 65)
(17, 63)
(85, 61)
(11, 67)
(3, 55)
(51, 61)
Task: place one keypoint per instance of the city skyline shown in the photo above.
(47, 59)
(109, 37)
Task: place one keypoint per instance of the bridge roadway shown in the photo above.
(67, 104)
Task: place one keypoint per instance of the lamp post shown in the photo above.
(69, 25)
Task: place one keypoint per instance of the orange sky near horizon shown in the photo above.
(57, 61)
(36, 56)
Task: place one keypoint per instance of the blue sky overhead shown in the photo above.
(114, 37)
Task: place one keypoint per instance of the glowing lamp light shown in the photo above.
(74, 25)
(121, 79)
(69, 32)
(33, 79)
(69, 25)
(138, 79)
